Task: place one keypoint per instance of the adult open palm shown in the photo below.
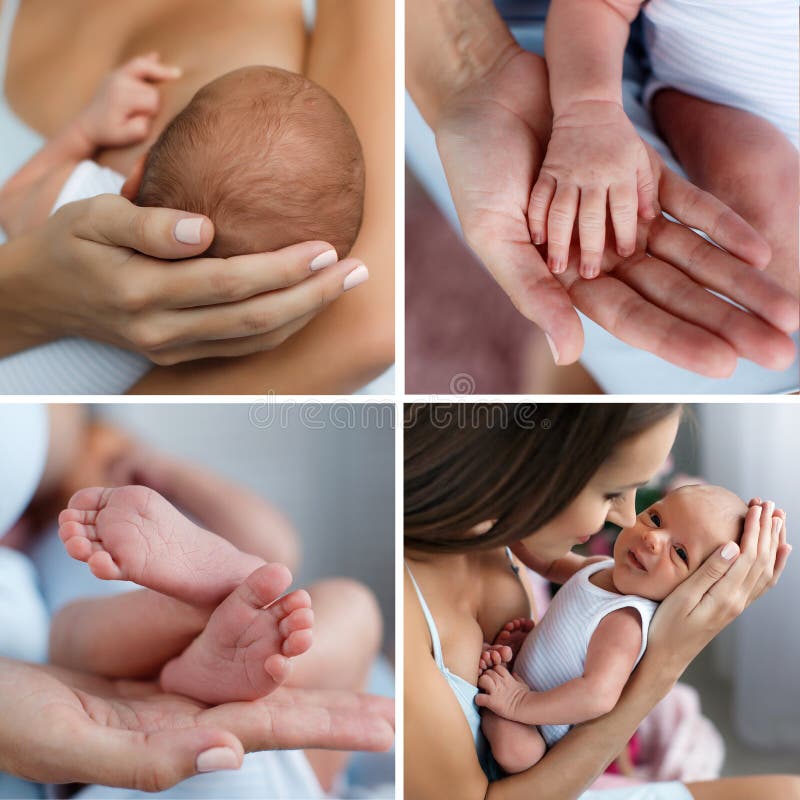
(59, 726)
(492, 137)
(660, 299)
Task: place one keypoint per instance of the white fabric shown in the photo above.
(24, 621)
(273, 774)
(650, 791)
(554, 652)
(24, 436)
(733, 52)
(75, 366)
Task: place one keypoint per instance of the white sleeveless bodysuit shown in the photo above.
(554, 652)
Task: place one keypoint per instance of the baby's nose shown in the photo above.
(654, 541)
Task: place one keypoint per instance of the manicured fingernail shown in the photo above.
(552, 345)
(555, 265)
(776, 525)
(537, 238)
(729, 551)
(357, 276)
(188, 230)
(217, 758)
(326, 259)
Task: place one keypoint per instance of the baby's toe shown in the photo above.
(77, 546)
(264, 585)
(297, 642)
(92, 499)
(297, 620)
(293, 601)
(278, 667)
(102, 566)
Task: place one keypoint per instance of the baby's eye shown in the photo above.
(655, 518)
(682, 554)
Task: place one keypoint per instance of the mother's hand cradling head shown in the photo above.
(105, 269)
(729, 580)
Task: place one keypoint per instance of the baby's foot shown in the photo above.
(246, 648)
(513, 635)
(133, 533)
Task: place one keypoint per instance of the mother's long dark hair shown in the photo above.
(519, 464)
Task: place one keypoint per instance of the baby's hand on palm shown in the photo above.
(502, 692)
(595, 159)
(123, 107)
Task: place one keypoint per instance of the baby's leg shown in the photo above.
(246, 648)
(515, 747)
(130, 635)
(132, 533)
(745, 162)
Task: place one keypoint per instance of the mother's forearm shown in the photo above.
(581, 756)
(450, 44)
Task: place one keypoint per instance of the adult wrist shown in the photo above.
(19, 329)
(466, 41)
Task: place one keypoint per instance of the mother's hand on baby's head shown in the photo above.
(105, 269)
(726, 583)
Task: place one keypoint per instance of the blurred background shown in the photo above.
(329, 468)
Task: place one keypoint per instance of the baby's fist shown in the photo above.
(124, 105)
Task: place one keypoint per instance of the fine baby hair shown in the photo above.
(269, 156)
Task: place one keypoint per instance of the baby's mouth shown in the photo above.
(634, 561)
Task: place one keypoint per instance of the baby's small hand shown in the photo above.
(594, 159)
(503, 693)
(123, 107)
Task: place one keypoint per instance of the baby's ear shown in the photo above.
(134, 180)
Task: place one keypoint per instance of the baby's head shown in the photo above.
(269, 156)
(673, 537)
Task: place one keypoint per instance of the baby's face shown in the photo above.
(673, 537)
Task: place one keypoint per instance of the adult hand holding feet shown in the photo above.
(103, 269)
(64, 726)
(491, 116)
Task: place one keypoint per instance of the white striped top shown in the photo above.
(737, 53)
(554, 652)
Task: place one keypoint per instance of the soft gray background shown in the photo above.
(329, 468)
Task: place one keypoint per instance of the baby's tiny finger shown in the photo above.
(592, 229)
(623, 206)
(560, 222)
(541, 196)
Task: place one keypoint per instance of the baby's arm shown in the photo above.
(119, 114)
(595, 157)
(610, 659)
